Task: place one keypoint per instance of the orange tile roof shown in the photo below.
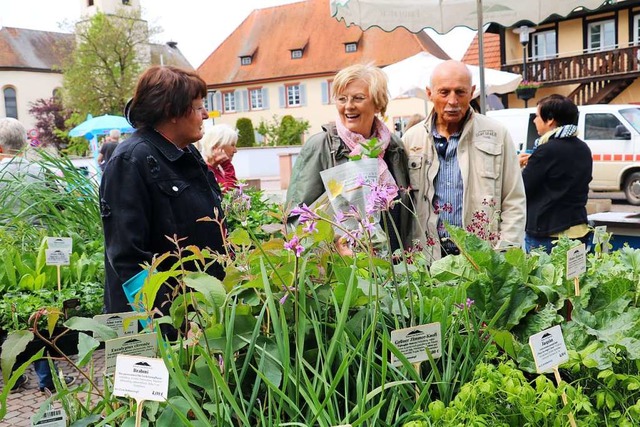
(491, 51)
(270, 34)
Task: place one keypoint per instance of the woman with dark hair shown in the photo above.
(556, 176)
(157, 184)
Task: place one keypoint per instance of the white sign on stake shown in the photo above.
(51, 418)
(413, 343)
(548, 349)
(141, 378)
(135, 345)
(116, 322)
(576, 261)
(62, 243)
(57, 257)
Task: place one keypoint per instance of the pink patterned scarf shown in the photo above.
(352, 140)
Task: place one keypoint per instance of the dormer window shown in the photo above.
(296, 54)
(245, 60)
(350, 47)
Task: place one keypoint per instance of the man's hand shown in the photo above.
(523, 159)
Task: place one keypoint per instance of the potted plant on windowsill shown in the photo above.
(527, 89)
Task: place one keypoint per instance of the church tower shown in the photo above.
(88, 8)
(110, 7)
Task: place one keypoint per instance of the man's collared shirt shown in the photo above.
(447, 200)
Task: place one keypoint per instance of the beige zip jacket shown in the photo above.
(490, 172)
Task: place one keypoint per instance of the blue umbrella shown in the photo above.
(95, 126)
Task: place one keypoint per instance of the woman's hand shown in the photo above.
(218, 155)
(523, 159)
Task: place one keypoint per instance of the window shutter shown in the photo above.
(245, 100)
(303, 95)
(283, 97)
(217, 101)
(237, 95)
(324, 88)
(265, 98)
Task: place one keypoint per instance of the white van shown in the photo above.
(611, 131)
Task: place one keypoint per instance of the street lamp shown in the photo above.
(524, 32)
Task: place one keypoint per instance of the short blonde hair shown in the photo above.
(372, 75)
(218, 136)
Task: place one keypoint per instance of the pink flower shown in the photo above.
(310, 227)
(294, 245)
(304, 213)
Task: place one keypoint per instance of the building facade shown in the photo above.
(31, 61)
(281, 61)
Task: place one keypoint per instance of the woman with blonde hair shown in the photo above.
(218, 147)
(361, 97)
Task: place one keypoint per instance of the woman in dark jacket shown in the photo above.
(556, 176)
(360, 95)
(157, 183)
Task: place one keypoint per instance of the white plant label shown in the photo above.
(57, 257)
(133, 345)
(51, 418)
(62, 243)
(116, 322)
(548, 349)
(599, 234)
(576, 261)
(413, 343)
(141, 378)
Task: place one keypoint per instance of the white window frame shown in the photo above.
(635, 39)
(351, 47)
(245, 60)
(294, 95)
(229, 102)
(543, 45)
(256, 100)
(296, 54)
(602, 29)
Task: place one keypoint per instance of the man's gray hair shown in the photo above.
(13, 135)
(115, 135)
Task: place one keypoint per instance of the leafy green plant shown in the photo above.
(501, 395)
(285, 131)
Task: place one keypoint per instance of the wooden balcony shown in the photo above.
(600, 76)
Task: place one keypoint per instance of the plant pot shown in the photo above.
(526, 93)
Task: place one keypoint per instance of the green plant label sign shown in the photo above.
(116, 321)
(133, 345)
(141, 378)
(414, 342)
(548, 349)
(51, 418)
(576, 261)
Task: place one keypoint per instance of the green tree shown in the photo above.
(287, 131)
(101, 73)
(246, 137)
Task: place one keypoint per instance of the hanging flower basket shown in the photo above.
(527, 89)
(526, 93)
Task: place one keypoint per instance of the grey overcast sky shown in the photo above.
(198, 26)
